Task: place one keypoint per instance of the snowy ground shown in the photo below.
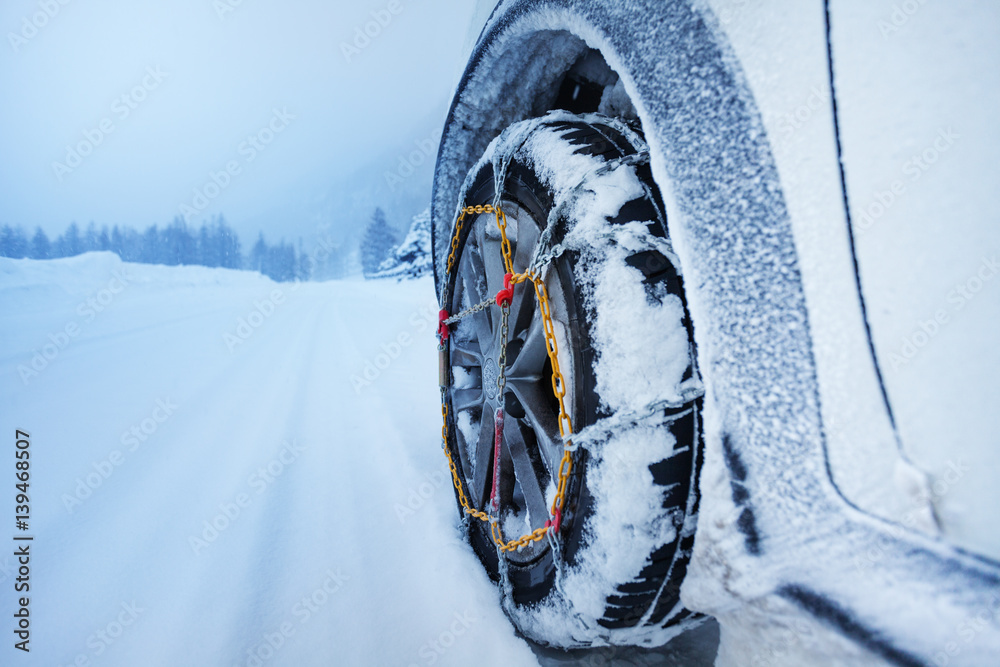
(229, 471)
(329, 520)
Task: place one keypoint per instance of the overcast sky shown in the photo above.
(310, 130)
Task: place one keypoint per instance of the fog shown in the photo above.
(292, 118)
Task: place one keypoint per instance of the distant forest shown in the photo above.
(214, 244)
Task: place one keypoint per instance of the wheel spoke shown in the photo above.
(484, 332)
(527, 238)
(522, 307)
(482, 482)
(464, 354)
(470, 276)
(492, 260)
(532, 445)
(527, 469)
(464, 399)
(480, 320)
(531, 359)
(542, 421)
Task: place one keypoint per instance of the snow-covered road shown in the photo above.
(216, 481)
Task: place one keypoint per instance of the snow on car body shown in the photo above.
(825, 172)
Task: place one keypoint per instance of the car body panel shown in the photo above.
(795, 408)
(782, 51)
(918, 88)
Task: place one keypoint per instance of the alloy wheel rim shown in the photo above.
(532, 447)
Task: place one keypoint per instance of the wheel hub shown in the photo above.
(491, 371)
(531, 446)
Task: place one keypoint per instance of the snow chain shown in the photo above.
(503, 299)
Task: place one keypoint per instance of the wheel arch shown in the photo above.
(736, 242)
(513, 74)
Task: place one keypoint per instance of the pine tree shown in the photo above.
(258, 255)
(177, 244)
(117, 242)
(103, 240)
(328, 262)
(378, 242)
(228, 249)
(90, 238)
(206, 253)
(304, 265)
(149, 248)
(13, 242)
(71, 244)
(40, 246)
(412, 258)
(280, 262)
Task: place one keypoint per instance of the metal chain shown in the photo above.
(541, 258)
(502, 361)
(483, 305)
(456, 236)
(498, 427)
(504, 242)
(637, 158)
(600, 430)
(547, 252)
(551, 527)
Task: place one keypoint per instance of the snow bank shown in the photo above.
(280, 500)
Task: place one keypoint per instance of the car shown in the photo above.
(718, 308)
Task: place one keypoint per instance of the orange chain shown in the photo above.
(558, 390)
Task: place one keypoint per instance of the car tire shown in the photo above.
(581, 187)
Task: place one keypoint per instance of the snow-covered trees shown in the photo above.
(328, 260)
(303, 265)
(40, 246)
(13, 242)
(179, 246)
(278, 262)
(70, 244)
(224, 246)
(258, 254)
(412, 258)
(378, 242)
(215, 244)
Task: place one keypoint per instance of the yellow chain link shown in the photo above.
(454, 243)
(558, 388)
(504, 243)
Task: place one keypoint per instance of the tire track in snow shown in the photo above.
(330, 508)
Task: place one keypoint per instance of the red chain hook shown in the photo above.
(506, 295)
(555, 521)
(497, 443)
(443, 328)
